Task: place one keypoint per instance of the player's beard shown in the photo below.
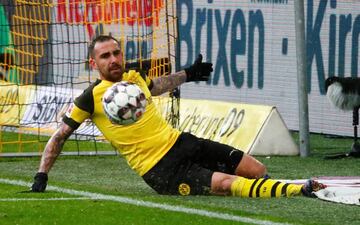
(113, 73)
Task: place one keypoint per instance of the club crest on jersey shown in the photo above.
(184, 189)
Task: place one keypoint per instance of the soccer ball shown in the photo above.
(124, 103)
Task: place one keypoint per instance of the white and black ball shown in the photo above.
(124, 103)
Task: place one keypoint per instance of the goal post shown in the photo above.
(44, 61)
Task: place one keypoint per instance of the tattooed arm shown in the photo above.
(199, 71)
(167, 83)
(51, 152)
(54, 147)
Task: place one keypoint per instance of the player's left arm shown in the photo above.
(199, 71)
(164, 84)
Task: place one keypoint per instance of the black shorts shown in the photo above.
(188, 167)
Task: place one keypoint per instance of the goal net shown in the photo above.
(44, 62)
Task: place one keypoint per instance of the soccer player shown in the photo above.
(169, 161)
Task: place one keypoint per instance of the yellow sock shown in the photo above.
(263, 188)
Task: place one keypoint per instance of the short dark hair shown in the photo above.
(101, 38)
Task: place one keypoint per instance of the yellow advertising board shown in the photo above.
(13, 102)
(232, 123)
(254, 129)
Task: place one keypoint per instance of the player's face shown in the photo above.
(108, 60)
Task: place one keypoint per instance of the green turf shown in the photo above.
(12, 142)
(23, 208)
(111, 175)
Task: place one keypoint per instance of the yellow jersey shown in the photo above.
(142, 143)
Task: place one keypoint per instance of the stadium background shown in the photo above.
(262, 68)
(251, 43)
(111, 174)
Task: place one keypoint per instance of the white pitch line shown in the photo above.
(40, 199)
(126, 200)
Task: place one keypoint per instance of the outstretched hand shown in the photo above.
(199, 71)
(40, 182)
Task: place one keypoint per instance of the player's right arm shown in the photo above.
(54, 147)
(78, 112)
(49, 156)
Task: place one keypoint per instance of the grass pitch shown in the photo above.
(111, 176)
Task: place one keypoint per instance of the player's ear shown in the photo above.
(92, 63)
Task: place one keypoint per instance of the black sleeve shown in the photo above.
(86, 100)
(72, 123)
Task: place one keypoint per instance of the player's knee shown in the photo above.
(258, 170)
(261, 171)
(249, 167)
